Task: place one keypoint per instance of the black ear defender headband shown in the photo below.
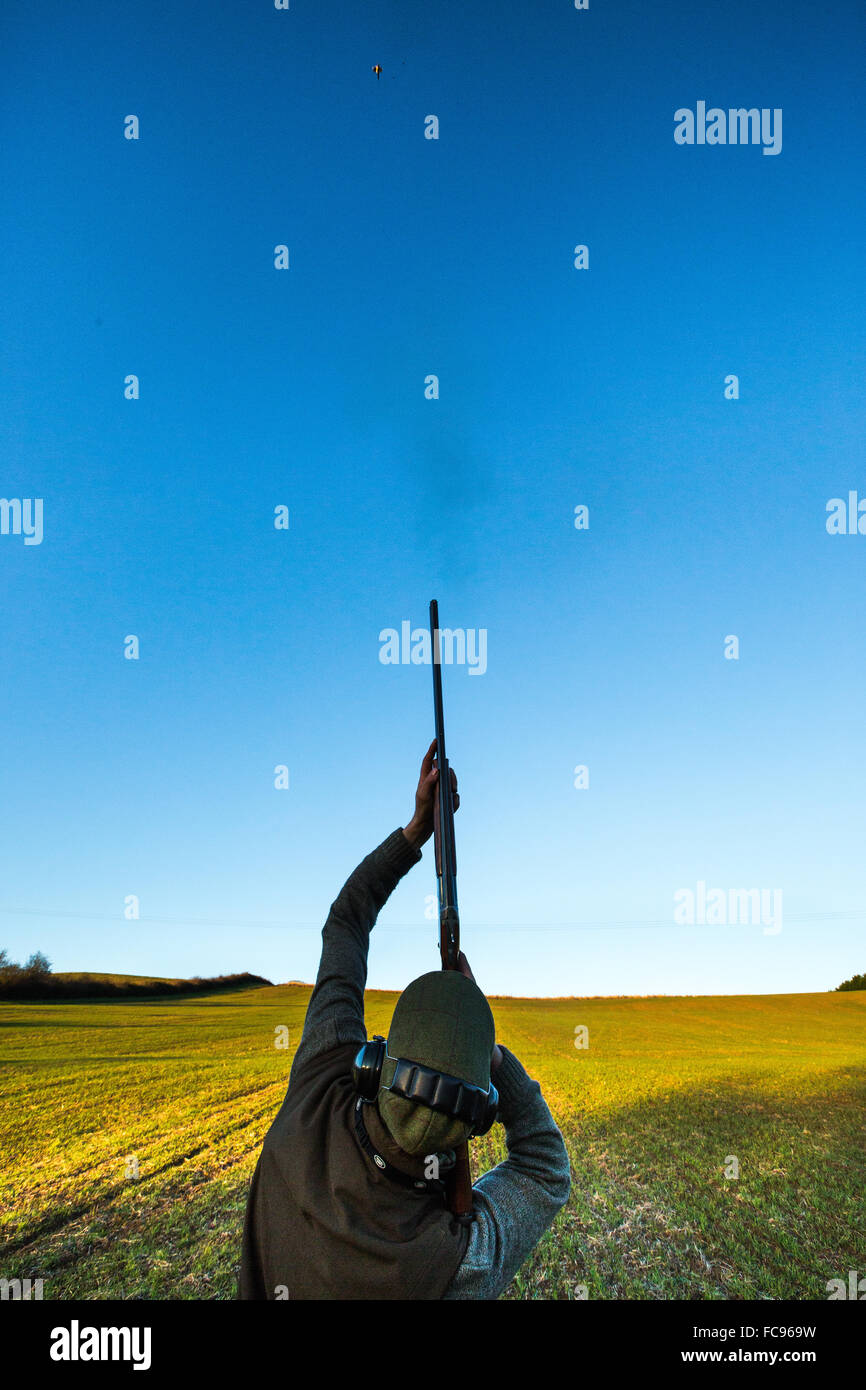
(436, 1089)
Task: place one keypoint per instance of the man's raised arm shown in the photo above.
(335, 1014)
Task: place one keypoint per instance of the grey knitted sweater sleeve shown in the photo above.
(517, 1200)
(335, 1013)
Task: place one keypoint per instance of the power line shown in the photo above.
(660, 924)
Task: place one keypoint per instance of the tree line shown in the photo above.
(34, 980)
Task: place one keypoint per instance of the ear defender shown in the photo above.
(447, 1095)
(367, 1067)
(489, 1114)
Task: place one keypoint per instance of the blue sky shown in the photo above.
(557, 387)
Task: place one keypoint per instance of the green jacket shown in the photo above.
(323, 1221)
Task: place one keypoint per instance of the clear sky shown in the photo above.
(558, 387)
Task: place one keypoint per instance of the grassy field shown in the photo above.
(182, 1092)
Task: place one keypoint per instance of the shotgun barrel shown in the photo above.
(443, 821)
(459, 1184)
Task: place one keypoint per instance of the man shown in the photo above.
(347, 1199)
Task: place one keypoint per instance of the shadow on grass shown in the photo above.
(656, 1213)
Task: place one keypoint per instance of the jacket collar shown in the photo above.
(405, 1169)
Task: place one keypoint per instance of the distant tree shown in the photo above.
(8, 968)
(855, 982)
(38, 964)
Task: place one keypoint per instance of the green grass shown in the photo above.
(668, 1088)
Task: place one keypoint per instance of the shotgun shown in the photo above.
(459, 1182)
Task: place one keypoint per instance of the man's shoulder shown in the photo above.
(321, 1069)
(318, 1089)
